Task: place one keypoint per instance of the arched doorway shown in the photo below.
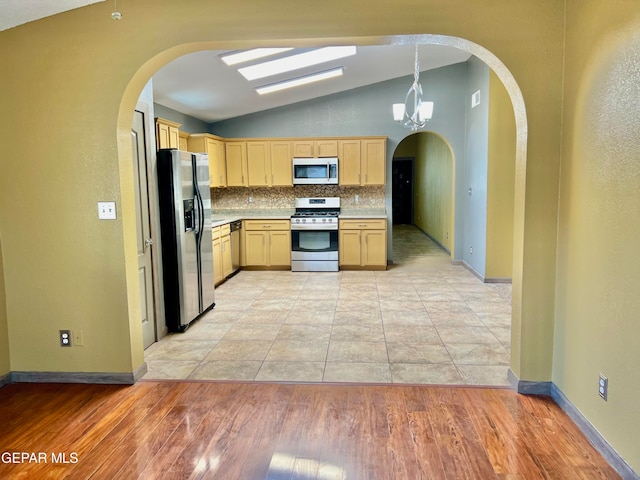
(147, 70)
(423, 170)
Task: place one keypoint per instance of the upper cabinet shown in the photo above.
(236, 153)
(183, 140)
(269, 163)
(362, 161)
(281, 164)
(167, 134)
(214, 147)
(315, 148)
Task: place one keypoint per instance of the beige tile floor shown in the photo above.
(422, 321)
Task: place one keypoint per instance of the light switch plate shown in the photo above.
(107, 210)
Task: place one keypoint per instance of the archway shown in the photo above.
(147, 70)
(433, 186)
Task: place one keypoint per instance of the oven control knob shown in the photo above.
(313, 220)
(324, 220)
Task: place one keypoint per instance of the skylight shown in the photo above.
(296, 82)
(295, 62)
(248, 55)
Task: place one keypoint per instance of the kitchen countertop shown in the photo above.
(222, 217)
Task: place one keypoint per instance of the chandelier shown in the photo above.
(414, 113)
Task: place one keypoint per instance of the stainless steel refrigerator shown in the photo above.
(185, 224)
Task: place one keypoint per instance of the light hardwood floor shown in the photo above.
(423, 320)
(249, 431)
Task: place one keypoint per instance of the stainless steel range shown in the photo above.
(314, 235)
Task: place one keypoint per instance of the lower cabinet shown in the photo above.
(222, 266)
(362, 244)
(267, 243)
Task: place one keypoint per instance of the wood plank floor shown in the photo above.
(201, 430)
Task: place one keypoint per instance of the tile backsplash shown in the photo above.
(283, 197)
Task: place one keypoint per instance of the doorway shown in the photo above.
(402, 191)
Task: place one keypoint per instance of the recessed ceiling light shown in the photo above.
(248, 55)
(295, 62)
(296, 82)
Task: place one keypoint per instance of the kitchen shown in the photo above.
(256, 203)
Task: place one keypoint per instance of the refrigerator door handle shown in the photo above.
(197, 215)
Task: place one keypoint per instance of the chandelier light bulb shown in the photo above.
(414, 113)
(116, 15)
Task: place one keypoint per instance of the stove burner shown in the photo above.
(316, 213)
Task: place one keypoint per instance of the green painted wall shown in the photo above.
(597, 314)
(433, 195)
(5, 363)
(501, 171)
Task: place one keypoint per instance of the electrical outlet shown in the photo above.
(603, 387)
(250, 199)
(471, 250)
(357, 198)
(65, 338)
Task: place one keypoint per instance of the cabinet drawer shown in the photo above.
(215, 232)
(267, 224)
(225, 229)
(363, 224)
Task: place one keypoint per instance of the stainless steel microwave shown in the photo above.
(314, 171)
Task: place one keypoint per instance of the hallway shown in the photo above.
(423, 321)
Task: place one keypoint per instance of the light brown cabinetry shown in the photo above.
(214, 147)
(269, 163)
(222, 265)
(267, 243)
(167, 134)
(183, 140)
(236, 153)
(218, 276)
(307, 148)
(362, 244)
(281, 164)
(362, 161)
(258, 163)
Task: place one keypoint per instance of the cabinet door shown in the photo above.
(218, 274)
(174, 137)
(236, 155)
(281, 164)
(258, 163)
(183, 141)
(217, 163)
(374, 247)
(162, 135)
(326, 148)
(256, 247)
(349, 247)
(349, 162)
(226, 255)
(302, 148)
(280, 248)
(373, 162)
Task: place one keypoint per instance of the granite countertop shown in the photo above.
(221, 217)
